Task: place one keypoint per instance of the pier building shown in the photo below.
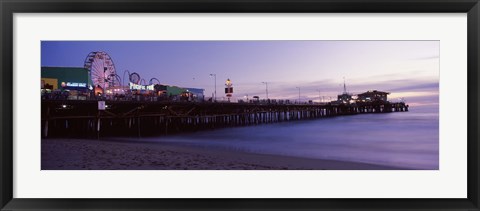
(72, 78)
(75, 83)
(197, 94)
(65, 82)
(371, 96)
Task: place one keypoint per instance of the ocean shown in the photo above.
(402, 139)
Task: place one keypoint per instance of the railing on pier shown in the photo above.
(135, 119)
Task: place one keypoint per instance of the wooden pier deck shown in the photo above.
(80, 119)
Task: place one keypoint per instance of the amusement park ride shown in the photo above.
(105, 79)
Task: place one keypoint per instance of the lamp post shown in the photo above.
(298, 94)
(90, 87)
(266, 88)
(215, 84)
(319, 96)
(104, 82)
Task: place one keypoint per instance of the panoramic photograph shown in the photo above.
(240, 105)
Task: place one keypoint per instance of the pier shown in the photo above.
(82, 119)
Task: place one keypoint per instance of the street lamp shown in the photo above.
(104, 81)
(319, 96)
(266, 88)
(298, 94)
(215, 84)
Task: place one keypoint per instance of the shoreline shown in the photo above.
(116, 154)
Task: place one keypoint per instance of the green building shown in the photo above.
(175, 90)
(72, 78)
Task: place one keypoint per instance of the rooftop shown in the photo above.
(374, 92)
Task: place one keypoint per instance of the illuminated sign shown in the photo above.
(141, 87)
(74, 84)
(101, 105)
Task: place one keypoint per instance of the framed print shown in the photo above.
(257, 105)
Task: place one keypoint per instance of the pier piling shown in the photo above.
(140, 119)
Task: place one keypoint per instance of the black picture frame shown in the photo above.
(9, 7)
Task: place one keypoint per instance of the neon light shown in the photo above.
(76, 84)
(141, 87)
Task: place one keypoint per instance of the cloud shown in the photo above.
(427, 57)
(424, 86)
(414, 90)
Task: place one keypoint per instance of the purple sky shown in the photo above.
(408, 69)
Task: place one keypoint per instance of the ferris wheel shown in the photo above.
(102, 69)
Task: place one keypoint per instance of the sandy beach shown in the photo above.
(111, 154)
